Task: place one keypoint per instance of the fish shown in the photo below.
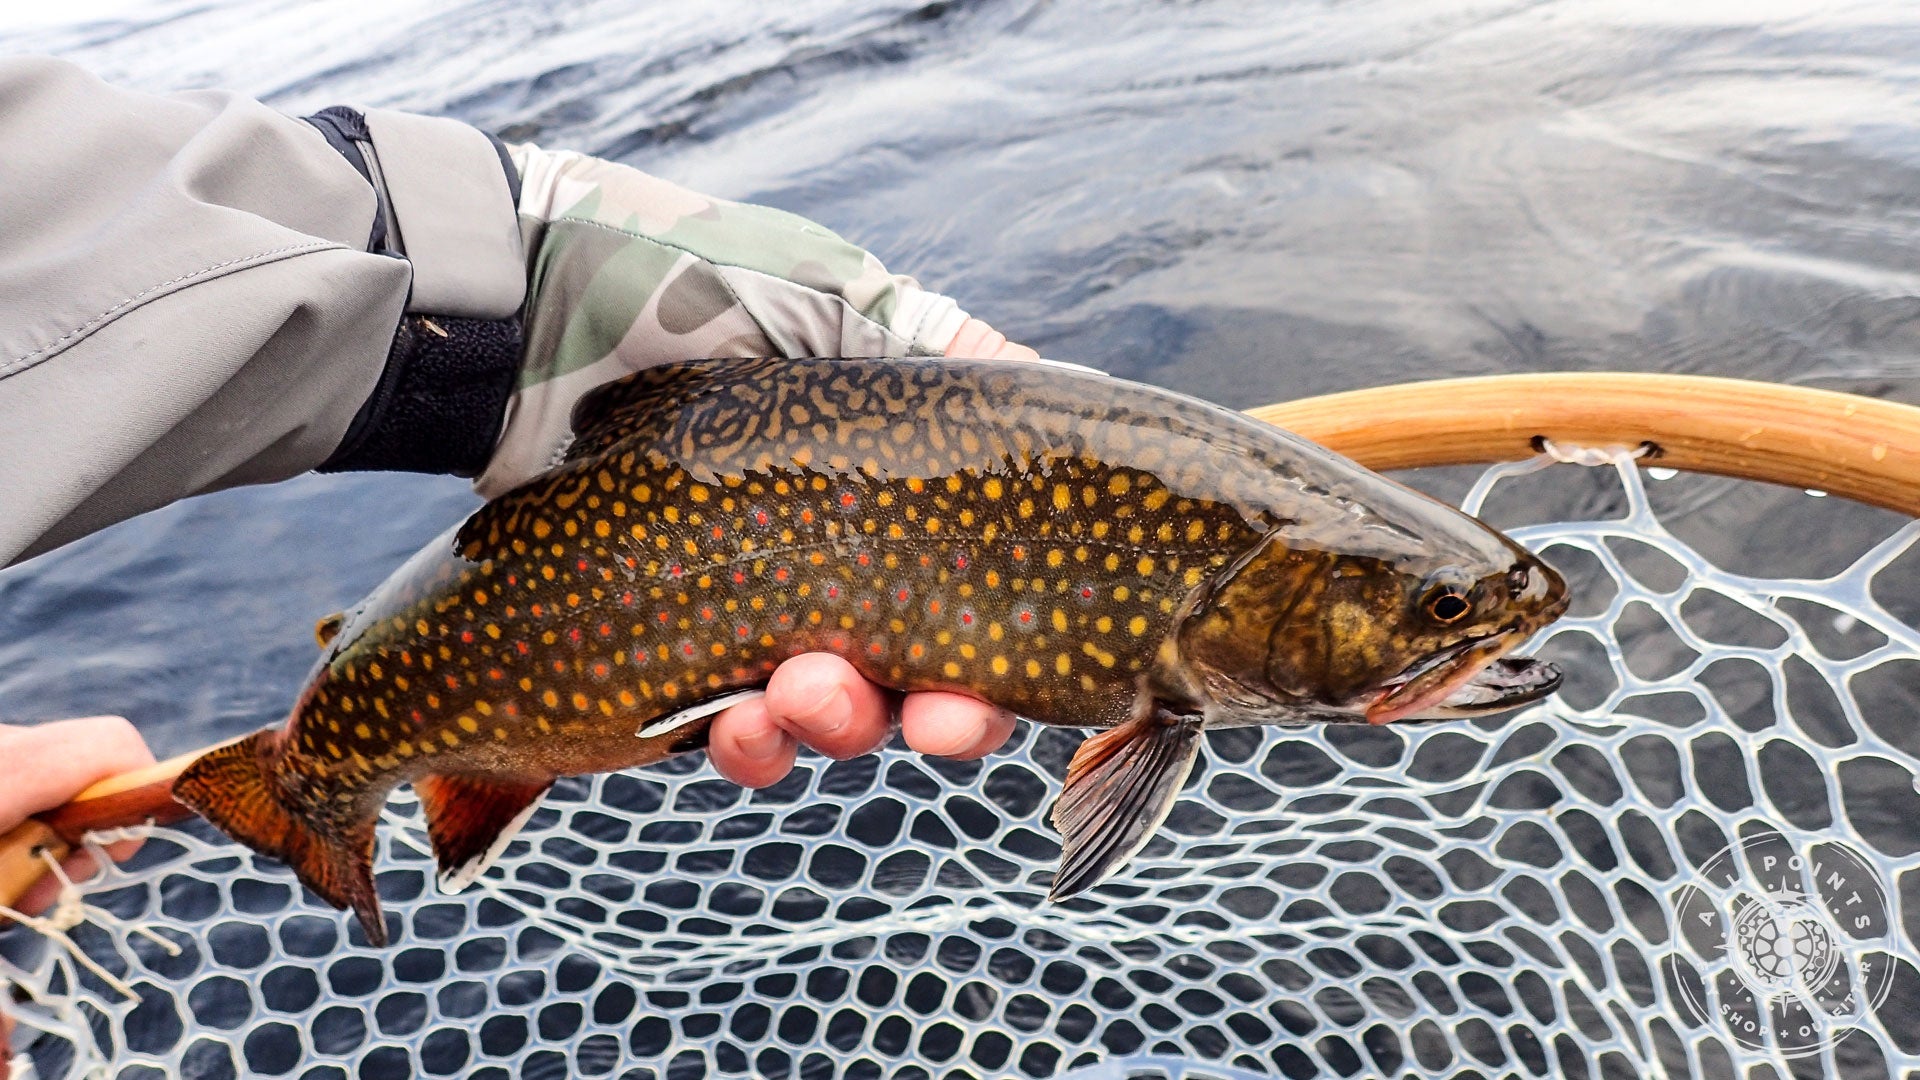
(1079, 549)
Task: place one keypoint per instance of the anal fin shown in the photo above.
(1120, 786)
(472, 819)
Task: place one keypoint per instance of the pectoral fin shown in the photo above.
(1120, 786)
(472, 819)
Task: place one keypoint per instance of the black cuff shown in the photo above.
(440, 402)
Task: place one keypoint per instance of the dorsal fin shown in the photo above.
(328, 628)
(643, 401)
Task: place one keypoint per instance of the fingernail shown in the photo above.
(763, 745)
(832, 712)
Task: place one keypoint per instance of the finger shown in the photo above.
(953, 725)
(821, 700)
(982, 342)
(45, 765)
(748, 748)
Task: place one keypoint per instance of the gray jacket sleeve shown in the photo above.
(187, 302)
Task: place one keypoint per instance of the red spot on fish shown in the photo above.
(1019, 552)
(632, 563)
(760, 517)
(806, 517)
(959, 562)
(781, 574)
(573, 634)
(417, 718)
(933, 607)
(559, 665)
(606, 629)
(521, 648)
(466, 637)
(581, 566)
(1086, 592)
(866, 605)
(739, 577)
(742, 631)
(874, 648)
(536, 611)
(863, 559)
(453, 683)
(626, 599)
(706, 614)
(718, 532)
(847, 499)
(600, 669)
(663, 617)
(966, 618)
(513, 579)
(839, 643)
(496, 674)
(786, 619)
(926, 560)
(687, 648)
(511, 709)
(833, 591)
(901, 596)
(1026, 617)
(676, 570)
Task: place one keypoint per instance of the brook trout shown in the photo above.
(1078, 549)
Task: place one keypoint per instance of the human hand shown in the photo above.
(630, 271)
(44, 765)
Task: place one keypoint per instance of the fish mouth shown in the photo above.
(1472, 678)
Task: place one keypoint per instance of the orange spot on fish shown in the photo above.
(806, 517)
(496, 674)
(453, 683)
(1019, 552)
(874, 648)
(933, 607)
(706, 614)
(537, 611)
(606, 629)
(600, 669)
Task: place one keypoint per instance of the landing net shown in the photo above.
(1691, 862)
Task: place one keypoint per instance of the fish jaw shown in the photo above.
(1473, 679)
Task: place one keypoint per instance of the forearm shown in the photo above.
(187, 301)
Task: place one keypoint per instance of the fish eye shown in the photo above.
(1446, 605)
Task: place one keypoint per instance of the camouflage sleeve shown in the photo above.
(627, 271)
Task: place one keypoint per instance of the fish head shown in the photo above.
(1413, 624)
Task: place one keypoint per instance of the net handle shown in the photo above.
(1861, 448)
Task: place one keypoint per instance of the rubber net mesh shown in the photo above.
(1691, 862)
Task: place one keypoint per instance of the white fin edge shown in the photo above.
(458, 878)
(676, 721)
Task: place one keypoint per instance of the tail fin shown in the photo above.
(233, 787)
